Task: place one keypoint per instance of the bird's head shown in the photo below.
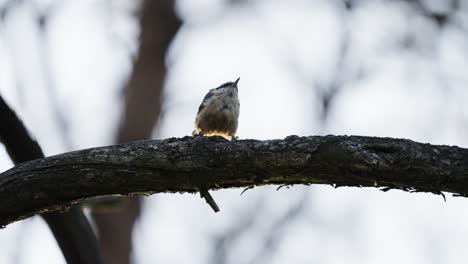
(228, 85)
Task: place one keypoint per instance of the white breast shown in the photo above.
(220, 113)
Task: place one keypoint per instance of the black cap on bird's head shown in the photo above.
(229, 84)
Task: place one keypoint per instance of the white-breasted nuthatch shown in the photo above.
(218, 114)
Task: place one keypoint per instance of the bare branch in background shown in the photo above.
(189, 164)
(349, 4)
(336, 84)
(7, 6)
(158, 24)
(440, 17)
(277, 231)
(71, 229)
(223, 242)
(42, 18)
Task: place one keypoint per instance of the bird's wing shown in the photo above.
(202, 105)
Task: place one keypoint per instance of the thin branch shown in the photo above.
(43, 48)
(224, 242)
(441, 18)
(6, 7)
(188, 164)
(278, 230)
(328, 94)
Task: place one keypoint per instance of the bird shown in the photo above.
(218, 114)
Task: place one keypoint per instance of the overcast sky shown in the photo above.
(401, 76)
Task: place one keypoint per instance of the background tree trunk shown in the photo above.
(158, 25)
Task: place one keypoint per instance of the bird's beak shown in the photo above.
(235, 83)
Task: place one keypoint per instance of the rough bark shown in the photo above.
(188, 164)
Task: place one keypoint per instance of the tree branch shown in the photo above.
(190, 164)
(71, 229)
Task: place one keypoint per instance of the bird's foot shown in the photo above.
(199, 134)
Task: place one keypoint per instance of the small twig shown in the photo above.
(443, 196)
(209, 199)
(386, 189)
(248, 188)
(287, 185)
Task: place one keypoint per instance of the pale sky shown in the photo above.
(286, 54)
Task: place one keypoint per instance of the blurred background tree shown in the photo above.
(158, 26)
(90, 73)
